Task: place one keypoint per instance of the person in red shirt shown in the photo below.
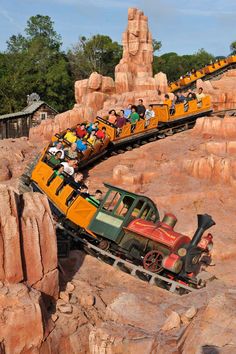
(81, 130)
(112, 116)
(101, 134)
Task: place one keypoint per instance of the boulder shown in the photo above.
(173, 321)
(95, 81)
(21, 326)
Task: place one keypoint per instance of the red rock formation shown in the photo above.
(21, 323)
(219, 163)
(217, 127)
(203, 333)
(28, 249)
(222, 90)
(15, 154)
(134, 72)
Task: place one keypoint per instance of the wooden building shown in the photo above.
(15, 125)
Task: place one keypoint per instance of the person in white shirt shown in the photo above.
(69, 166)
(59, 147)
(149, 113)
(200, 95)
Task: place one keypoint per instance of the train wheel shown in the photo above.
(104, 245)
(153, 261)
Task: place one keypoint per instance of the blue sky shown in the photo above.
(183, 26)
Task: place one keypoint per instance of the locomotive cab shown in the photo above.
(118, 208)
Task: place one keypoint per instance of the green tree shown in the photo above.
(41, 27)
(175, 65)
(233, 47)
(156, 45)
(17, 44)
(34, 63)
(98, 53)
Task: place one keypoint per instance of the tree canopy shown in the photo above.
(175, 65)
(35, 62)
(233, 47)
(98, 53)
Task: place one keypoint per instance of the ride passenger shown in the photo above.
(81, 130)
(120, 122)
(180, 98)
(191, 96)
(141, 109)
(84, 191)
(77, 181)
(101, 133)
(55, 159)
(69, 166)
(91, 137)
(58, 171)
(112, 116)
(96, 198)
(172, 106)
(81, 144)
(92, 126)
(59, 147)
(127, 111)
(148, 115)
(71, 152)
(71, 136)
(134, 118)
(200, 95)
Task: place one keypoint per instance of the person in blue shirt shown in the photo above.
(127, 111)
(92, 126)
(81, 145)
(180, 98)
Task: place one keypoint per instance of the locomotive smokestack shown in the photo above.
(205, 221)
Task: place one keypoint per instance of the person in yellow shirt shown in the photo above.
(70, 136)
(91, 137)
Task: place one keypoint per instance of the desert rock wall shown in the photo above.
(28, 251)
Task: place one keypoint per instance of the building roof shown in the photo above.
(30, 109)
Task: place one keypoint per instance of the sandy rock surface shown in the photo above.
(128, 315)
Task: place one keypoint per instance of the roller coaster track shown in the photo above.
(221, 113)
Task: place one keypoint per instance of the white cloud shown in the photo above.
(9, 18)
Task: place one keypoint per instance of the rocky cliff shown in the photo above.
(28, 242)
(222, 90)
(29, 282)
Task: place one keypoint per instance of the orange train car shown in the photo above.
(205, 72)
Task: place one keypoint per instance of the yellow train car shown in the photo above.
(162, 115)
(206, 71)
(64, 200)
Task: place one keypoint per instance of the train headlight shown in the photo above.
(182, 252)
